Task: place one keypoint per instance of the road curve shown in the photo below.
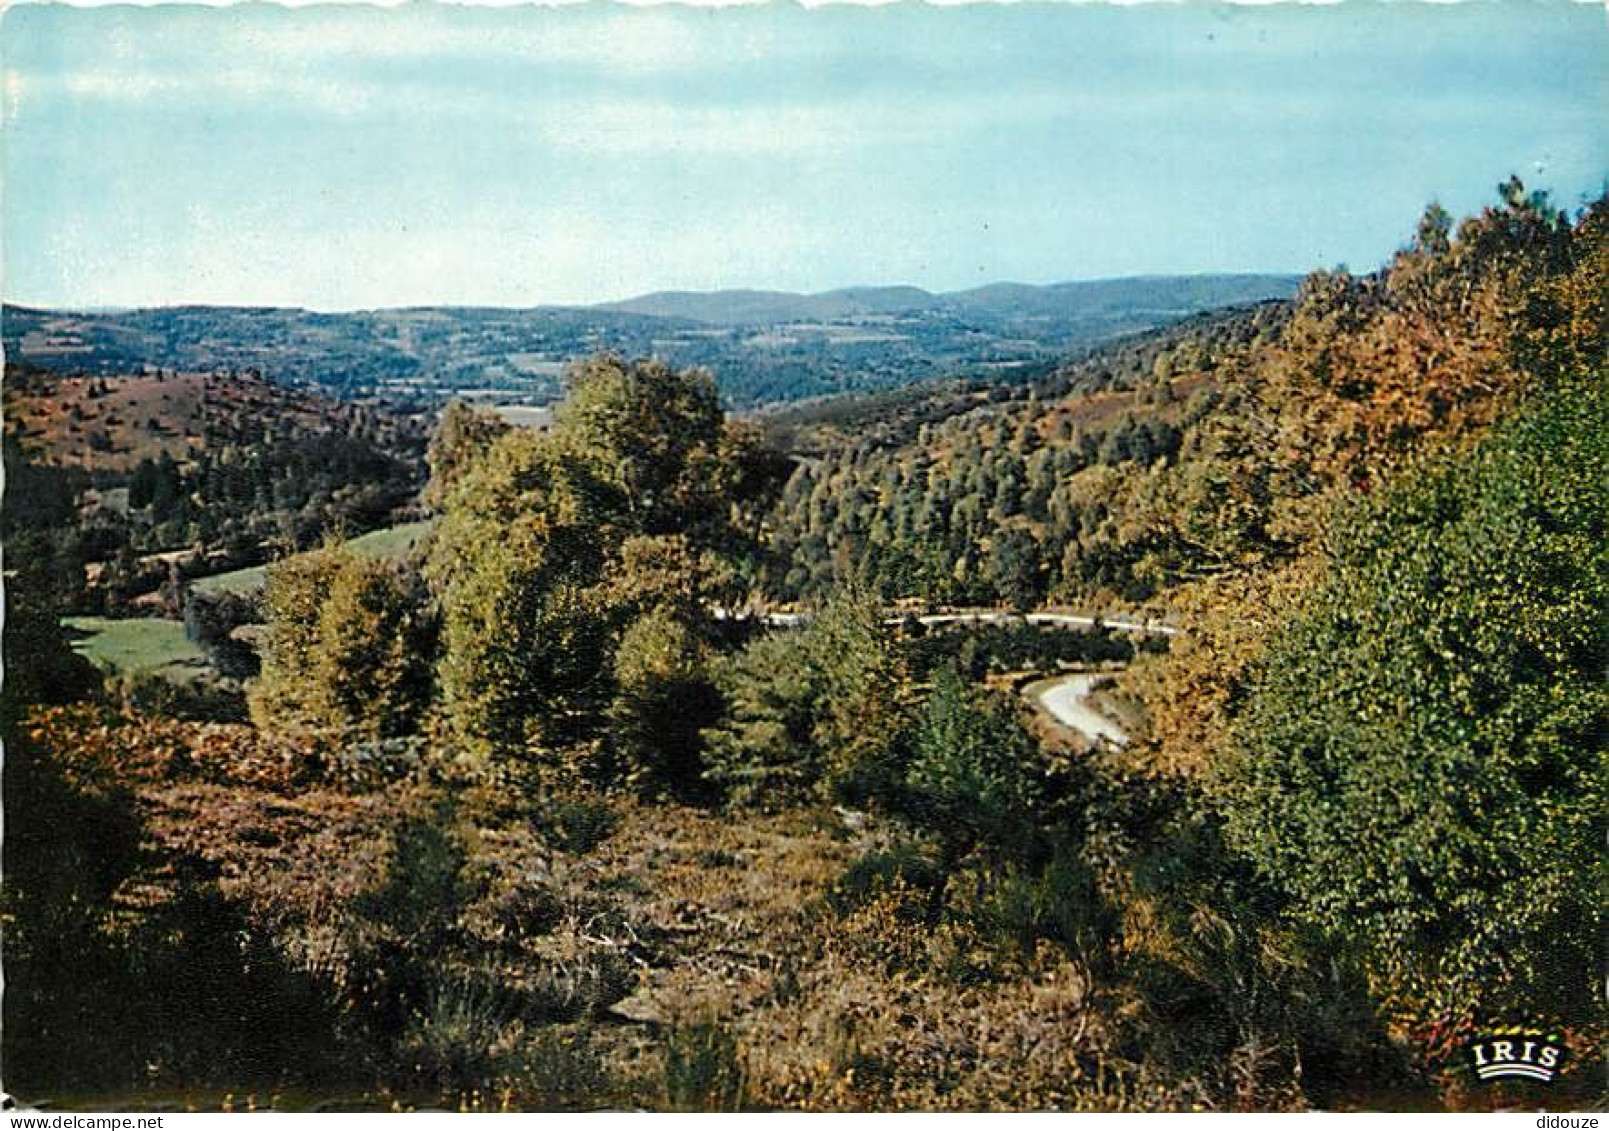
(1066, 699)
(984, 616)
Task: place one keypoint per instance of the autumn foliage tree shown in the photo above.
(347, 648)
(570, 565)
(1371, 367)
(462, 435)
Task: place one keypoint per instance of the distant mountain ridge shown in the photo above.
(764, 347)
(1167, 293)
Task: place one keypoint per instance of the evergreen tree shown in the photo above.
(969, 778)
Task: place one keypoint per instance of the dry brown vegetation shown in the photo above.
(112, 423)
(681, 921)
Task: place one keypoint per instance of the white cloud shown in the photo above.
(599, 122)
(138, 85)
(615, 37)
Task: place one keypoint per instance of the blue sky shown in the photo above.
(345, 157)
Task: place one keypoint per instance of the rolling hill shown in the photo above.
(112, 423)
(765, 347)
(1064, 304)
(759, 308)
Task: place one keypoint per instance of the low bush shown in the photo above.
(558, 1068)
(464, 1036)
(575, 823)
(879, 872)
(198, 698)
(703, 1070)
(1060, 902)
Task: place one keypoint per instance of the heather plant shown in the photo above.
(559, 1068)
(1060, 902)
(463, 1037)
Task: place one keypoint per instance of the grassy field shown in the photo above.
(136, 645)
(392, 542)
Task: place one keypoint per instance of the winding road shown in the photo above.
(1064, 620)
(1066, 699)
(983, 616)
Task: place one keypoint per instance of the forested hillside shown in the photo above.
(120, 483)
(546, 814)
(1211, 450)
(1049, 492)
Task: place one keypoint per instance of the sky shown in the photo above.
(348, 157)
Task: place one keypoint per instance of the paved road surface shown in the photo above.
(1066, 698)
(989, 616)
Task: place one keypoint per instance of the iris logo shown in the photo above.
(1528, 1056)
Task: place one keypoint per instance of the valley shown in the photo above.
(766, 347)
(1018, 699)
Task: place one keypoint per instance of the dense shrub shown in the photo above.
(464, 1035)
(574, 823)
(1020, 646)
(664, 699)
(878, 872)
(818, 710)
(1058, 902)
(202, 697)
(120, 972)
(1421, 756)
(347, 650)
(40, 665)
(210, 620)
(703, 1070)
